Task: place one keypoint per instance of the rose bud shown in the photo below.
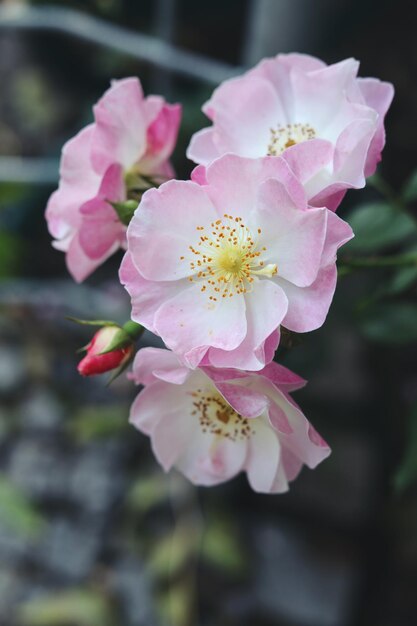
(95, 362)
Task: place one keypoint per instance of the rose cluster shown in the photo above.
(218, 264)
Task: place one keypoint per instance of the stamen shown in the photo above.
(228, 258)
(283, 137)
(218, 418)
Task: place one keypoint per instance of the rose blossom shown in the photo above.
(215, 269)
(97, 363)
(212, 424)
(131, 136)
(294, 103)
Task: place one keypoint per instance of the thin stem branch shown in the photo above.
(395, 200)
(402, 260)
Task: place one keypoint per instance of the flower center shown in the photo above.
(283, 137)
(227, 258)
(217, 417)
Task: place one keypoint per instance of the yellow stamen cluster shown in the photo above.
(217, 417)
(283, 137)
(226, 258)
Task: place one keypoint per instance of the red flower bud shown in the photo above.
(96, 363)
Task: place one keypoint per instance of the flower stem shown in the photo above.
(381, 185)
(381, 261)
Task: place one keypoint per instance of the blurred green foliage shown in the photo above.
(172, 552)
(403, 279)
(388, 312)
(11, 244)
(378, 226)
(148, 492)
(17, 511)
(176, 604)
(95, 422)
(10, 254)
(393, 323)
(409, 191)
(76, 607)
(222, 547)
(407, 472)
(11, 193)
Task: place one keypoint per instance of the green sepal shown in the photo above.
(125, 210)
(133, 329)
(116, 373)
(126, 335)
(121, 340)
(90, 322)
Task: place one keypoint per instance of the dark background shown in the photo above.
(91, 532)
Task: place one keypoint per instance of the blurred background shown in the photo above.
(91, 531)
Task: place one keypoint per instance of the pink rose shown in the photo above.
(291, 104)
(215, 269)
(212, 424)
(131, 136)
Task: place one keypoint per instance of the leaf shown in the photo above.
(378, 225)
(221, 547)
(403, 279)
(406, 474)
(400, 280)
(17, 511)
(392, 323)
(409, 191)
(95, 422)
(75, 607)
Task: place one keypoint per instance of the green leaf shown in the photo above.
(75, 607)
(406, 474)
(402, 280)
(221, 547)
(392, 323)
(17, 511)
(409, 191)
(377, 226)
(95, 422)
(399, 282)
(125, 210)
